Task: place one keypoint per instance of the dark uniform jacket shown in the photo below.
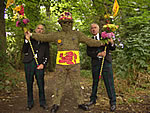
(40, 48)
(93, 51)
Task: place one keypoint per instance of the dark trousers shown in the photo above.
(30, 71)
(107, 75)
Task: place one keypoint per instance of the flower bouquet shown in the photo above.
(19, 15)
(107, 34)
(22, 21)
(109, 28)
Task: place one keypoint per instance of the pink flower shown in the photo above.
(104, 34)
(21, 12)
(25, 21)
(110, 35)
(18, 24)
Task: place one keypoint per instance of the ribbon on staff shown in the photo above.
(100, 74)
(35, 57)
(33, 53)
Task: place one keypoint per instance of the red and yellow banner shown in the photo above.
(115, 8)
(9, 3)
(67, 57)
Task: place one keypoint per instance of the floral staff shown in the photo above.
(106, 36)
(22, 21)
(109, 29)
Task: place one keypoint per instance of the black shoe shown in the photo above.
(83, 107)
(54, 108)
(112, 108)
(91, 103)
(45, 107)
(29, 107)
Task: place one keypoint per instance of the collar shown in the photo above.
(97, 36)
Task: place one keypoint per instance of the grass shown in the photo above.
(86, 73)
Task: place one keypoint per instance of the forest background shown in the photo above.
(131, 59)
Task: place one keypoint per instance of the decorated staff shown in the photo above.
(107, 35)
(101, 61)
(109, 28)
(22, 21)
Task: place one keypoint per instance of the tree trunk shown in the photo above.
(2, 41)
(51, 66)
(2, 31)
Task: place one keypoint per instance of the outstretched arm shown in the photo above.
(50, 37)
(89, 41)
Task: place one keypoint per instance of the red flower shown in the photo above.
(21, 12)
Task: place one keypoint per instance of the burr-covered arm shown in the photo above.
(89, 41)
(50, 37)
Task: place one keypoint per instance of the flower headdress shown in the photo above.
(65, 15)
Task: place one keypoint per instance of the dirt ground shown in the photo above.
(15, 102)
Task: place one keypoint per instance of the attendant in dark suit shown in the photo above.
(41, 50)
(96, 54)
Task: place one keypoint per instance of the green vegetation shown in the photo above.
(86, 73)
(129, 62)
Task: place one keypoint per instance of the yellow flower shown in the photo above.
(104, 26)
(15, 16)
(117, 26)
(107, 16)
(21, 16)
(24, 16)
(14, 9)
(13, 20)
(59, 41)
(113, 29)
(18, 8)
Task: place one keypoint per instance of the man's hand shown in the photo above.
(41, 66)
(102, 54)
(27, 35)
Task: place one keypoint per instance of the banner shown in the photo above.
(67, 57)
(115, 8)
(9, 3)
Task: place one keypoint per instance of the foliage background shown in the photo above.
(134, 32)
